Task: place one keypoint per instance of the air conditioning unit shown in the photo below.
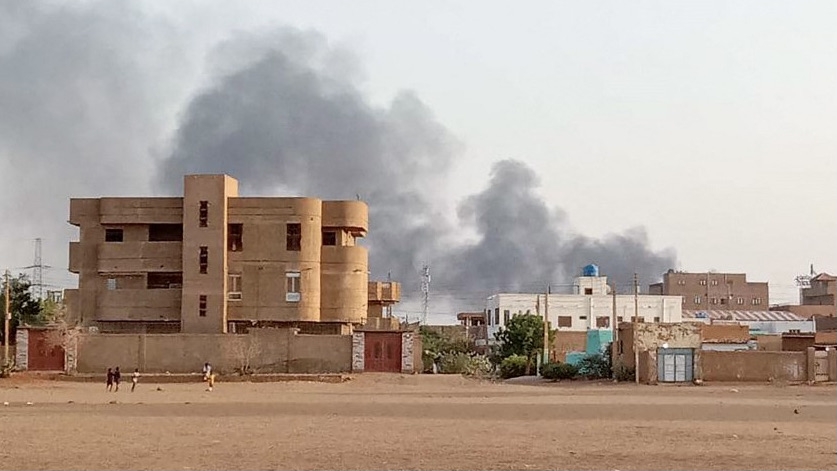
(292, 297)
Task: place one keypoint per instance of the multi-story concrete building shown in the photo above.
(817, 298)
(214, 262)
(591, 306)
(715, 291)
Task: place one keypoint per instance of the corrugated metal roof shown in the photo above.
(751, 316)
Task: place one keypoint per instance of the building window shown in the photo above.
(203, 216)
(724, 300)
(588, 291)
(565, 321)
(637, 319)
(603, 322)
(681, 282)
(714, 282)
(113, 235)
(294, 237)
(111, 284)
(683, 299)
(619, 319)
(488, 316)
(740, 301)
(583, 318)
(698, 300)
(329, 238)
(293, 287)
(203, 260)
(235, 234)
(496, 316)
(165, 232)
(703, 282)
(756, 301)
(234, 286)
(506, 315)
(713, 300)
(656, 319)
(164, 280)
(202, 306)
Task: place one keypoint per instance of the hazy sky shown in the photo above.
(711, 124)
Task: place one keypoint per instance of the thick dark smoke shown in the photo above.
(283, 121)
(105, 98)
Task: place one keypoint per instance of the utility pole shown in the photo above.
(615, 327)
(546, 325)
(6, 319)
(636, 297)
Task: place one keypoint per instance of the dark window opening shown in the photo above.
(202, 306)
(203, 218)
(565, 321)
(235, 233)
(294, 240)
(588, 290)
(113, 235)
(329, 238)
(496, 316)
(637, 319)
(506, 316)
(656, 319)
(603, 321)
(619, 319)
(204, 259)
(165, 232)
(164, 280)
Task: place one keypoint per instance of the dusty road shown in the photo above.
(417, 422)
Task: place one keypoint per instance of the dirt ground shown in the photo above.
(417, 422)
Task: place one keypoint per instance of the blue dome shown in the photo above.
(590, 270)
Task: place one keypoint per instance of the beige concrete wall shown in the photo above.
(264, 350)
(754, 366)
(567, 341)
(769, 343)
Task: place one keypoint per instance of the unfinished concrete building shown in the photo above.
(214, 262)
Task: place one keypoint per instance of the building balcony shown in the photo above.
(384, 292)
(139, 305)
(140, 257)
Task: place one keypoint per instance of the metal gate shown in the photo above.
(382, 352)
(675, 365)
(820, 366)
(43, 355)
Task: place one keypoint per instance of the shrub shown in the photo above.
(513, 366)
(595, 366)
(624, 373)
(556, 371)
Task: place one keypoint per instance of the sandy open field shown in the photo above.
(417, 422)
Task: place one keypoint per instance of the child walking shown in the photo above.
(110, 380)
(135, 379)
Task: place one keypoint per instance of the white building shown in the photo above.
(590, 307)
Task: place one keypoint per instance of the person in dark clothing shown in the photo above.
(110, 380)
(117, 377)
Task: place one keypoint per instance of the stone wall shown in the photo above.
(358, 351)
(22, 349)
(407, 365)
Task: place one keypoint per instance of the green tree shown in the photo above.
(523, 335)
(25, 309)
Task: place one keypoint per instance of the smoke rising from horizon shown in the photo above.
(106, 99)
(284, 121)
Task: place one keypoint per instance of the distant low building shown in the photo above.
(590, 306)
(759, 322)
(817, 299)
(715, 291)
